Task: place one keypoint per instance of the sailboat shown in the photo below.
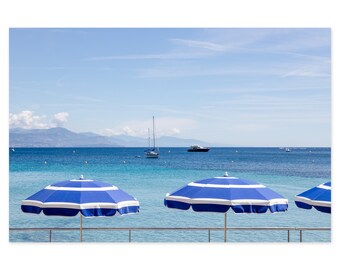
(152, 152)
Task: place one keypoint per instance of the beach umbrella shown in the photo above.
(88, 197)
(219, 194)
(318, 197)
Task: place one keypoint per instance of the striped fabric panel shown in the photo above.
(313, 202)
(80, 206)
(227, 202)
(194, 184)
(51, 187)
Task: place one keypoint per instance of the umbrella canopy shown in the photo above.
(219, 194)
(89, 197)
(318, 197)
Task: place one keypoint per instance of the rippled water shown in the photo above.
(288, 173)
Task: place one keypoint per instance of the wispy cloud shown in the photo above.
(200, 44)
(52, 68)
(276, 111)
(271, 39)
(196, 70)
(89, 100)
(161, 56)
(280, 68)
(256, 89)
(309, 71)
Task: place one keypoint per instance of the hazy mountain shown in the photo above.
(61, 137)
(56, 137)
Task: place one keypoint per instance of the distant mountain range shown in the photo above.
(62, 137)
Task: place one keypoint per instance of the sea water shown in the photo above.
(288, 173)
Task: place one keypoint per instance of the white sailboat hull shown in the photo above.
(151, 154)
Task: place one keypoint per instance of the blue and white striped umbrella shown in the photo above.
(318, 197)
(219, 194)
(90, 198)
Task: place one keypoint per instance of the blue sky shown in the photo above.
(236, 86)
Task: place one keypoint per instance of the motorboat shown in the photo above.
(198, 148)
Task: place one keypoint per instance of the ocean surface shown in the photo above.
(288, 173)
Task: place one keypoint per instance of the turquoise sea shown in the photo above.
(288, 173)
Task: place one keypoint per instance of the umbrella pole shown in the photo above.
(81, 227)
(225, 227)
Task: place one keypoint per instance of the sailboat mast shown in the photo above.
(153, 128)
(149, 137)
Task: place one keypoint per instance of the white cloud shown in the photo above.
(27, 120)
(129, 131)
(108, 132)
(174, 132)
(59, 119)
(164, 126)
(125, 130)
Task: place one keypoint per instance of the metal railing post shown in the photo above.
(50, 235)
(288, 236)
(129, 236)
(209, 235)
(300, 236)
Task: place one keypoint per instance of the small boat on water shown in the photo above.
(152, 152)
(198, 148)
(287, 150)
